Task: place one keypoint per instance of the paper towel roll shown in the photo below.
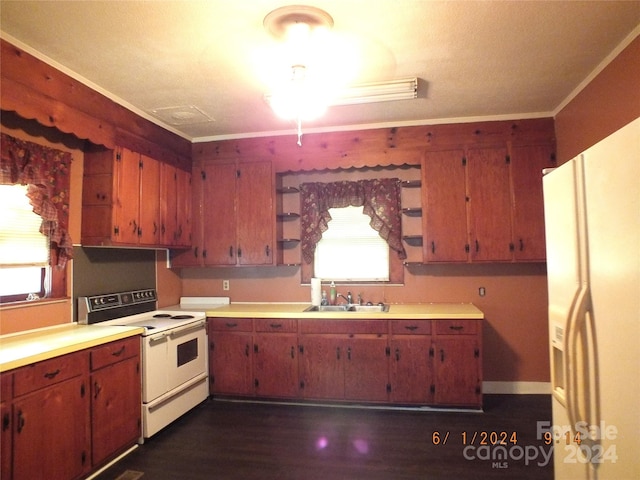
(316, 291)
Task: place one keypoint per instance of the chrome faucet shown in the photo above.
(348, 298)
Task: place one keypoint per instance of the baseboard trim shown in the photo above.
(520, 388)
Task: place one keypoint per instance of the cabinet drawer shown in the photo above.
(276, 325)
(6, 386)
(231, 324)
(456, 327)
(343, 326)
(114, 352)
(48, 372)
(411, 327)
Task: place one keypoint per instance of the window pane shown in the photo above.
(20, 280)
(21, 242)
(350, 249)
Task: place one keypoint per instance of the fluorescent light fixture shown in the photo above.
(405, 89)
(392, 90)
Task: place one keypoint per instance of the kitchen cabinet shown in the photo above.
(192, 257)
(395, 361)
(122, 196)
(66, 416)
(484, 204)
(6, 431)
(238, 213)
(230, 362)
(115, 398)
(275, 358)
(489, 204)
(175, 206)
(344, 360)
(457, 363)
(410, 362)
(444, 207)
(51, 427)
(527, 163)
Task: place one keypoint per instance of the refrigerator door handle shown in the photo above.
(575, 361)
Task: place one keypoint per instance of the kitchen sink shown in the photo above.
(347, 308)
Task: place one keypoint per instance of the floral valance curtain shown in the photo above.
(380, 199)
(46, 172)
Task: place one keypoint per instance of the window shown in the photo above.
(24, 251)
(350, 250)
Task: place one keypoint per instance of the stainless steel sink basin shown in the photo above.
(368, 308)
(348, 308)
(326, 308)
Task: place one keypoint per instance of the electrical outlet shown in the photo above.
(482, 291)
(225, 285)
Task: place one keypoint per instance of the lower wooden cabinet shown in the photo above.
(408, 362)
(61, 421)
(115, 398)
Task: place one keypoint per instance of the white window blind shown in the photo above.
(350, 250)
(21, 243)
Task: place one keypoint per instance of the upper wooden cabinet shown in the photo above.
(234, 205)
(123, 192)
(527, 164)
(484, 204)
(444, 210)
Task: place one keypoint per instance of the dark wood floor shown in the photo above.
(229, 440)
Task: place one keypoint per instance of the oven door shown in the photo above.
(173, 357)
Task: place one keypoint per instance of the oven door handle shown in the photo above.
(192, 326)
(157, 338)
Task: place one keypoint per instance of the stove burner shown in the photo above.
(181, 317)
(162, 315)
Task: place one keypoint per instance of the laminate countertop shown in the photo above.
(24, 348)
(413, 311)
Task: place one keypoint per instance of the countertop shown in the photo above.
(414, 311)
(24, 348)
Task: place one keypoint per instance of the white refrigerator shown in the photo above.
(592, 218)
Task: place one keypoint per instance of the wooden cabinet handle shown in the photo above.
(96, 389)
(293, 352)
(20, 423)
(6, 420)
(119, 352)
(246, 350)
(433, 247)
(51, 375)
(411, 328)
(338, 353)
(231, 325)
(456, 327)
(397, 354)
(275, 325)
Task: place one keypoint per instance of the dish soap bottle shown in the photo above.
(332, 293)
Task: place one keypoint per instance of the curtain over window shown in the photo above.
(379, 198)
(46, 173)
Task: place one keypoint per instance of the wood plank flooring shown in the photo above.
(233, 440)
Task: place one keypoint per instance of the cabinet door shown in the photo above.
(489, 204)
(5, 439)
(230, 363)
(410, 373)
(366, 373)
(168, 205)
(193, 256)
(126, 198)
(457, 371)
(150, 195)
(219, 217)
(527, 163)
(52, 432)
(115, 410)
(275, 364)
(321, 365)
(256, 219)
(445, 210)
(183, 209)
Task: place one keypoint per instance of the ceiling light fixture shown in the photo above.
(307, 86)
